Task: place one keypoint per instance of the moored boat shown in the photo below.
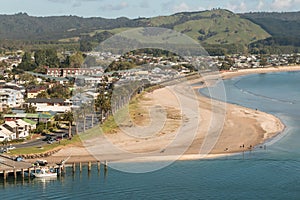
(44, 173)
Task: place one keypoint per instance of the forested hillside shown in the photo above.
(219, 31)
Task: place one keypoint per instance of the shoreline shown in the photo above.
(243, 72)
(87, 157)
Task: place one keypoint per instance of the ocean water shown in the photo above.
(273, 173)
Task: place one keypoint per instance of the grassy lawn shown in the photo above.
(45, 148)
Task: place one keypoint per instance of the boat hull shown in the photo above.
(37, 175)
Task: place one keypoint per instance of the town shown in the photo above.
(42, 93)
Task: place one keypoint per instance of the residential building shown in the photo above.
(72, 72)
(32, 92)
(17, 129)
(11, 98)
(50, 105)
(6, 134)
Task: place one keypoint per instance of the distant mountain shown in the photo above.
(219, 30)
(23, 27)
(213, 27)
(284, 27)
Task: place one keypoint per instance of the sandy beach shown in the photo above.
(180, 124)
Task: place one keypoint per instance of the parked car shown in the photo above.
(50, 141)
(10, 147)
(58, 138)
(41, 162)
(3, 150)
(48, 137)
(18, 159)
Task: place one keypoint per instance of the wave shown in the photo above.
(263, 96)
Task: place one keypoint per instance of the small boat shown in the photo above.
(44, 173)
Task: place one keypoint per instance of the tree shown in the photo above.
(43, 94)
(59, 91)
(40, 57)
(51, 58)
(263, 61)
(30, 109)
(85, 46)
(76, 60)
(27, 64)
(69, 117)
(103, 102)
(46, 57)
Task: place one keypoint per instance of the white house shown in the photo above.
(6, 134)
(53, 105)
(11, 98)
(15, 129)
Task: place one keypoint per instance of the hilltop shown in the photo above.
(220, 31)
(211, 27)
(284, 27)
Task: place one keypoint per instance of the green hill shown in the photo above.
(23, 27)
(284, 27)
(212, 27)
(220, 31)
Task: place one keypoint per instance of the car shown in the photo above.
(18, 159)
(50, 141)
(48, 137)
(58, 138)
(41, 163)
(10, 147)
(3, 150)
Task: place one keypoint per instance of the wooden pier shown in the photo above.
(10, 168)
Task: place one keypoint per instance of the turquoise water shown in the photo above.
(273, 173)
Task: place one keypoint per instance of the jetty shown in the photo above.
(9, 167)
(15, 169)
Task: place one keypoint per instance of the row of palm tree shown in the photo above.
(109, 100)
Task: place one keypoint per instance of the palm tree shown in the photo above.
(68, 116)
(76, 114)
(85, 110)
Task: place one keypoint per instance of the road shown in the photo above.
(40, 142)
(34, 143)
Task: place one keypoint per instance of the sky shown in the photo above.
(139, 8)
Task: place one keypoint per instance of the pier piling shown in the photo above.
(15, 173)
(99, 165)
(74, 167)
(22, 173)
(89, 166)
(4, 174)
(105, 165)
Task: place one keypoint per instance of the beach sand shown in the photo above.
(185, 125)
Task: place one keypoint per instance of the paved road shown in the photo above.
(34, 143)
(40, 142)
